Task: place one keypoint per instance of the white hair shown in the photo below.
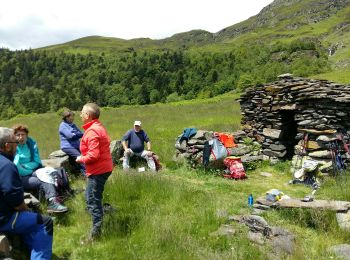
(5, 136)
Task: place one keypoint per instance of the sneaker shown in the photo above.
(56, 207)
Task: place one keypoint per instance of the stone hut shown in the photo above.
(280, 114)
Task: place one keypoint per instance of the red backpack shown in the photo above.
(235, 168)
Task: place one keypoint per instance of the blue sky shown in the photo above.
(36, 23)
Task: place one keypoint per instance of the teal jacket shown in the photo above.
(27, 157)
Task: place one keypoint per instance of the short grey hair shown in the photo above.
(93, 110)
(5, 136)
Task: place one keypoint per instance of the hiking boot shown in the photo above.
(56, 207)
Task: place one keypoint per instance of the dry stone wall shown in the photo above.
(191, 151)
(297, 114)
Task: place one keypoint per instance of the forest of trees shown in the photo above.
(35, 81)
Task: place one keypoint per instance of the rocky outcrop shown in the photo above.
(260, 232)
(298, 116)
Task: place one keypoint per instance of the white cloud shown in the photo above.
(37, 23)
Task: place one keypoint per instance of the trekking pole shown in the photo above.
(333, 158)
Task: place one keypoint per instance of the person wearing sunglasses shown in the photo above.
(35, 229)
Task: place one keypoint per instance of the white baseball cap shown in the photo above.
(137, 123)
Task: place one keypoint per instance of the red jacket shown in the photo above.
(94, 147)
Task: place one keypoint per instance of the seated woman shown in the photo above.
(27, 160)
(70, 136)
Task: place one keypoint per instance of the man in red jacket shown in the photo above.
(96, 156)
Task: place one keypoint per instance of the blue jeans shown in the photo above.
(36, 231)
(93, 196)
(31, 182)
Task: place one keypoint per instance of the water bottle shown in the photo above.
(250, 200)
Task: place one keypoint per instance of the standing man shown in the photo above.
(15, 217)
(96, 156)
(133, 143)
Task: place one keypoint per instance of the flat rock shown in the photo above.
(321, 154)
(272, 133)
(318, 132)
(310, 145)
(341, 251)
(266, 174)
(58, 153)
(279, 147)
(343, 220)
(271, 153)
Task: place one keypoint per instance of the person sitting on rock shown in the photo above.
(70, 136)
(35, 229)
(27, 160)
(133, 143)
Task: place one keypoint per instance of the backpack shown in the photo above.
(235, 168)
(218, 150)
(226, 139)
(156, 161)
(56, 176)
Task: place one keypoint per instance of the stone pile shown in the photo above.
(279, 115)
(191, 151)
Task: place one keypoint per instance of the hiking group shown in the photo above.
(21, 170)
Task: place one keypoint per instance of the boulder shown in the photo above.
(59, 162)
(58, 153)
(282, 241)
(343, 220)
(117, 151)
(341, 251)
(59, 159)
(257, 238)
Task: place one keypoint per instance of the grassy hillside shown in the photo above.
(175, 213)
(327, 22)
(162, 122)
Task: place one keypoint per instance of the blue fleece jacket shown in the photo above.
(69, 135)
(11, 189)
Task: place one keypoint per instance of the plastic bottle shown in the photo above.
(250, 200)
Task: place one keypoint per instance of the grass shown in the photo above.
(174, 214)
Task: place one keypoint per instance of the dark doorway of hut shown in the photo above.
(289, 132)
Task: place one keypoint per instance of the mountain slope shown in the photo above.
(327, 22)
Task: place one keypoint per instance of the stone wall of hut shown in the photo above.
(297, 114)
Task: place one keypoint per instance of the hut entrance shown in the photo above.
(289, 131)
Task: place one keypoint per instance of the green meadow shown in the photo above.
(175, 213)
